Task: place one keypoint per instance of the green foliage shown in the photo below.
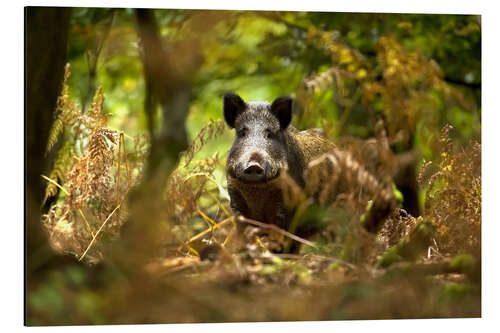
(464, 262)
(453, 292)
(68, 117)
(66, 112)
(397, 194)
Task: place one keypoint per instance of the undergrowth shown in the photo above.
(364, 246)
(90, 178)
(453, 196)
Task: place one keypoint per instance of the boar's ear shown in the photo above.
(233, 106)
(282, 109)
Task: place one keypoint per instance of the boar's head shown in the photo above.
(260, 148)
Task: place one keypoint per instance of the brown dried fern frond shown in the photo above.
(92, 195)
(194, 200)
(338, 172)
(91, 176)
(96, 118)
(186, 185)
(96, 190)
(339, 183)
(453, 196)
(187, 191)
(62, 233)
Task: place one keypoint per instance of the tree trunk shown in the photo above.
(166, 83)
(168, 71)
(46, 43)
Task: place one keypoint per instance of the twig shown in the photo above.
(206, 218)
(55, 183)
(118, 169)
(203, 233)
(218, 202)
(122, 138)
(223, 192)
(86, 222)
(337, 260)
(277, 229)
(186, 245)
(302, 257)
(231, 232)
(97, 234)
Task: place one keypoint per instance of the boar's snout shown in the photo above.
(254, 169)
(254, 172)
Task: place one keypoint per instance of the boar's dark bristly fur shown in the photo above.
(265, 147)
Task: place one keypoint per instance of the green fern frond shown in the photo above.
(50, 190)
(55, 131)
(61, 165)
(66, 110)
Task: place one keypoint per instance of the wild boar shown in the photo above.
(267, 150)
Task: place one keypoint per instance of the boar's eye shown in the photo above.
(270, 134)
(242, 132)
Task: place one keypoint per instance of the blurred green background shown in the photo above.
(263, 55)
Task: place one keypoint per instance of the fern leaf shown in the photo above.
(55, 131)
(96, 118)
(66, 111)
(61, 166)
(210, 131)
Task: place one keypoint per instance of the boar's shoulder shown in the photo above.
(312, 143)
